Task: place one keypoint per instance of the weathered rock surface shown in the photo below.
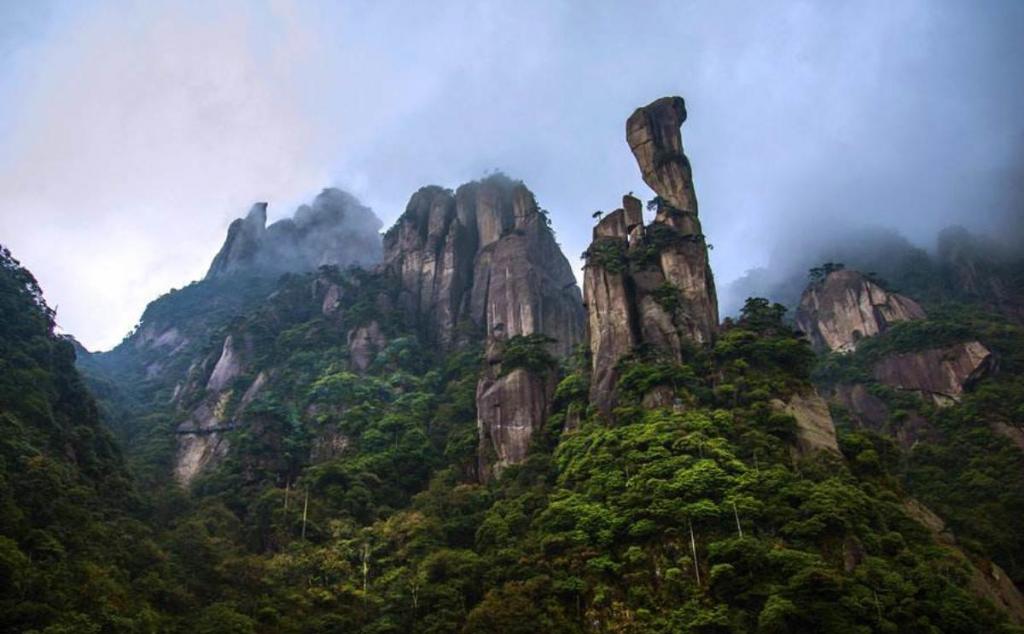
(483, 257)
(846, 307)
(653, 136)
(335, 229)
(510, 409)
(649, 285)
(815, 430)
(941, 374)
(229, 365)
(364, 343)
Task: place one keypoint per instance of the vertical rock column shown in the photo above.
(649, 285)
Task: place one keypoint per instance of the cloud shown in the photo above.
(137, 131)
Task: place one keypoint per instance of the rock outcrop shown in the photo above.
(364, 343)
(815, 430)
(649, 285)
(218, 406)
(335, 229)
(846, 307)
(941, 374)
(483, 261)
(512, 405)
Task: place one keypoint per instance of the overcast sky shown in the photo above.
(132, 133)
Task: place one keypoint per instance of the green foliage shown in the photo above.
(819, 273)
(668, 297)
(529, 352)
(609, 254)
(349, 501)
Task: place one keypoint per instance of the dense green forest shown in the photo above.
(697, 517)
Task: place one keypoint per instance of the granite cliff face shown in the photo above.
(483, 261)
(846, 307)
(649, 285)
(335, 229)
(941, 374)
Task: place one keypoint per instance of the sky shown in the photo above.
(132, 133)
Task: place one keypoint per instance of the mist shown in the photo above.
(335, 229)
(134, 133)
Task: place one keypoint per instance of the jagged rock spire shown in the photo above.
(649, 285)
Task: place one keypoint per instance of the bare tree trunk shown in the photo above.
(305, 509)
(366, 566)
(693, 548)
(736, 513)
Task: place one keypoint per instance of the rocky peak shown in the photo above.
(653, 135)
(335, 229)
(483, 256)
(242, 246)
(483, 260)
(649, 285)
(845, 307)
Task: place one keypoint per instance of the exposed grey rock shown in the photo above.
(653, 135)
(483, 256)
(846, 307)
(364, 343)
(665, 303)
(941, 374)
(229, 366)
(815, 430)
(510, 409)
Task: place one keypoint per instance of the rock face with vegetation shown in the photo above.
(845, 306)
(483, 263)
(649, 285)
(941, 374)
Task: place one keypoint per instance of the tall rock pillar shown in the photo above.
(649, 286)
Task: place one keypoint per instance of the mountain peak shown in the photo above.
(335, 229)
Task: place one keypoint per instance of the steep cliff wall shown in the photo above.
(649, 285)
(483, 262)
